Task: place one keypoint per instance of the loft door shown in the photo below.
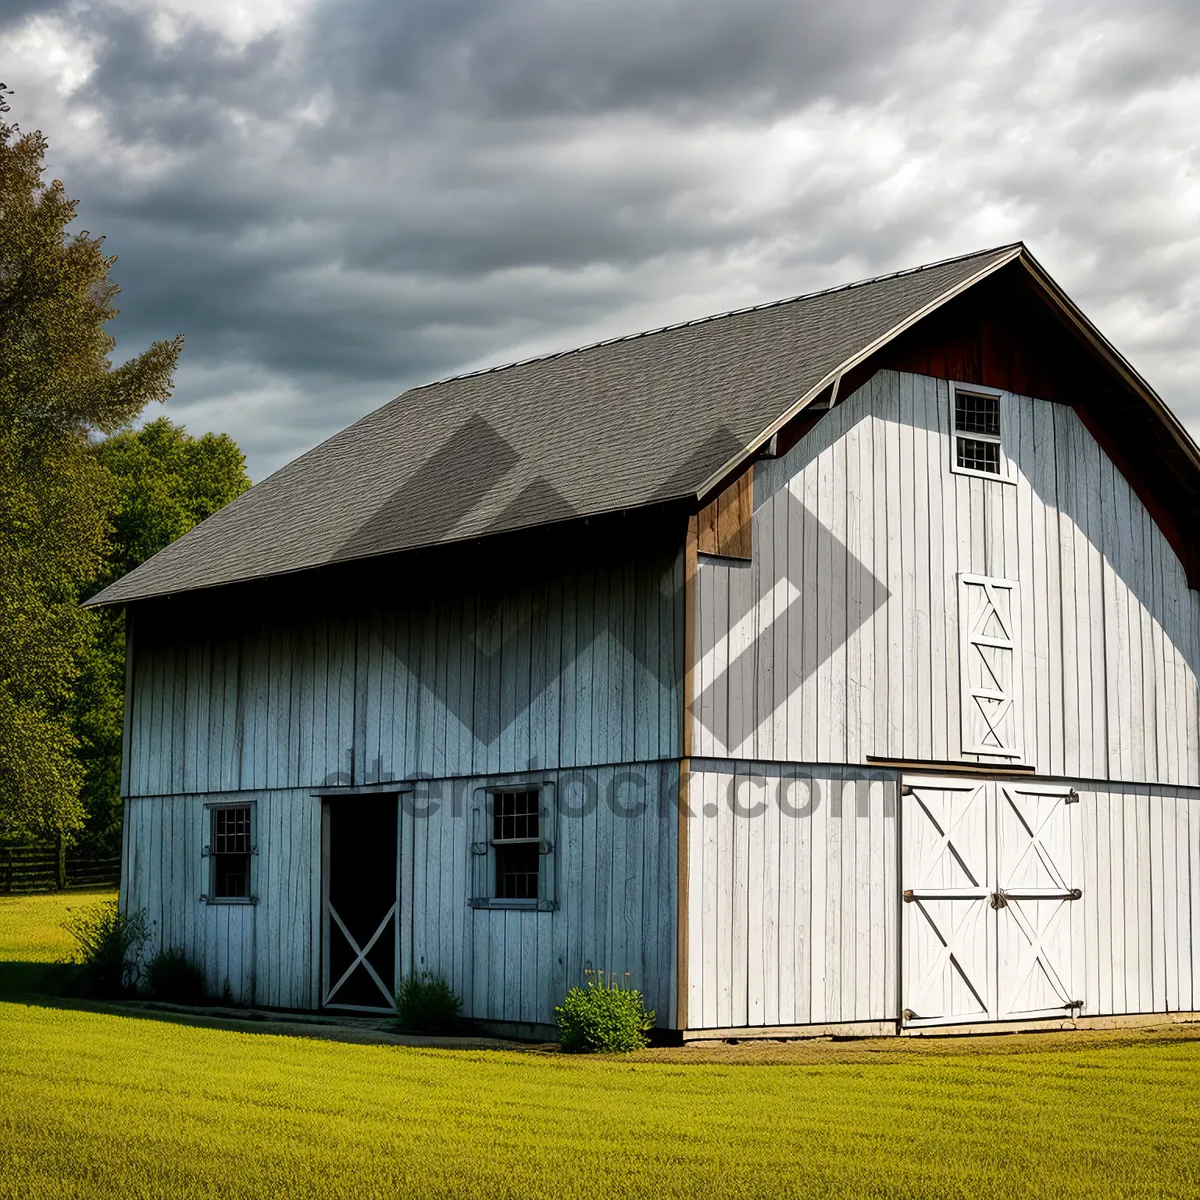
(989, 925)
(360, 857)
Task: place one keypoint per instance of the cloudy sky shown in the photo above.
(334, 201)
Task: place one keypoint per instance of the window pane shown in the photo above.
(515, 816)
(979, 456)
(977, 414)
(517, 871)
(232, 876)
(231, 852)
(231, 830)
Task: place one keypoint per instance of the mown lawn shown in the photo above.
(31, 926)
(96, 1104)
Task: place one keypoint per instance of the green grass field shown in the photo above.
(93, 1103)
(31, 926)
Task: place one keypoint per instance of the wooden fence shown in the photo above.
(47, 867)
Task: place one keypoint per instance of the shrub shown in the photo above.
(109, 947)
(427, 1003)
(170, 975)
(603, 1016)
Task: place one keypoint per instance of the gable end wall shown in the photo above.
(839, 640)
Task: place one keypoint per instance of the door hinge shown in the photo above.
(1072, 797)
(908, 896)
(906, 790)
(909, 1015)
(1073, 1004)
(1075, 894)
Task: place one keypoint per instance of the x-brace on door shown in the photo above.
(360, 902)
(990, 927)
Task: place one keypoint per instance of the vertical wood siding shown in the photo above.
(263, 950)
(1141, 898)
(578, 668)
(615, 856)
(792, 896)
(615, 864)
(840, 639)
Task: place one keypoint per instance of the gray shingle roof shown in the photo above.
(618, 425)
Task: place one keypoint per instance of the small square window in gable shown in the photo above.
(978, 433)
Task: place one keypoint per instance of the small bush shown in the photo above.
(425, 1002)
(603, 1016)
(171, 976)
(109, 945)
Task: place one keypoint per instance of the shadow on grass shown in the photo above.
(19, 980)
(57, 986)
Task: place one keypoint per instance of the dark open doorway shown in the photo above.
(361, 899)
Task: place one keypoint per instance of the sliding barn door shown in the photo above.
(1038, 919)
(948, 936)
(990, 921)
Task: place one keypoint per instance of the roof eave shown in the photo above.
(1075, 316)
(1005, 255)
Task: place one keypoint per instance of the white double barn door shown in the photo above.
(991, 927)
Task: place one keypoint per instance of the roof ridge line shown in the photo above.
(732, 312)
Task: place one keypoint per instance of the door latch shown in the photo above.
(999, 900)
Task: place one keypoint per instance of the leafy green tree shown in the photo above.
(163, 482)
(58, 388)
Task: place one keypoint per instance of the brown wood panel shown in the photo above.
(725, 523)
(682, 860)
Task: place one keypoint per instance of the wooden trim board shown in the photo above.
(1055, 1024)
(683, 831)
(949, 767)
(793, 1032)
(869, 1029)
(127, 726)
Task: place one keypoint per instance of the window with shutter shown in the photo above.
(512, 847)
(230, 850)
(989, 666)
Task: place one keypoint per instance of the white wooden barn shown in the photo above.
(830, 664)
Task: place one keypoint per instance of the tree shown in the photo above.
(163, 482)
(58, 388)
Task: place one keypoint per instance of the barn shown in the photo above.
(829, 665)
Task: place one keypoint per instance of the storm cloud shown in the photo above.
(336, 201)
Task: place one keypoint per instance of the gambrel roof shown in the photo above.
(623, 424)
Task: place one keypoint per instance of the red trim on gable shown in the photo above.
(1004, 333)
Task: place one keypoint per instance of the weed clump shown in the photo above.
(426, 1003)
(109, 945)
(603, 1016)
